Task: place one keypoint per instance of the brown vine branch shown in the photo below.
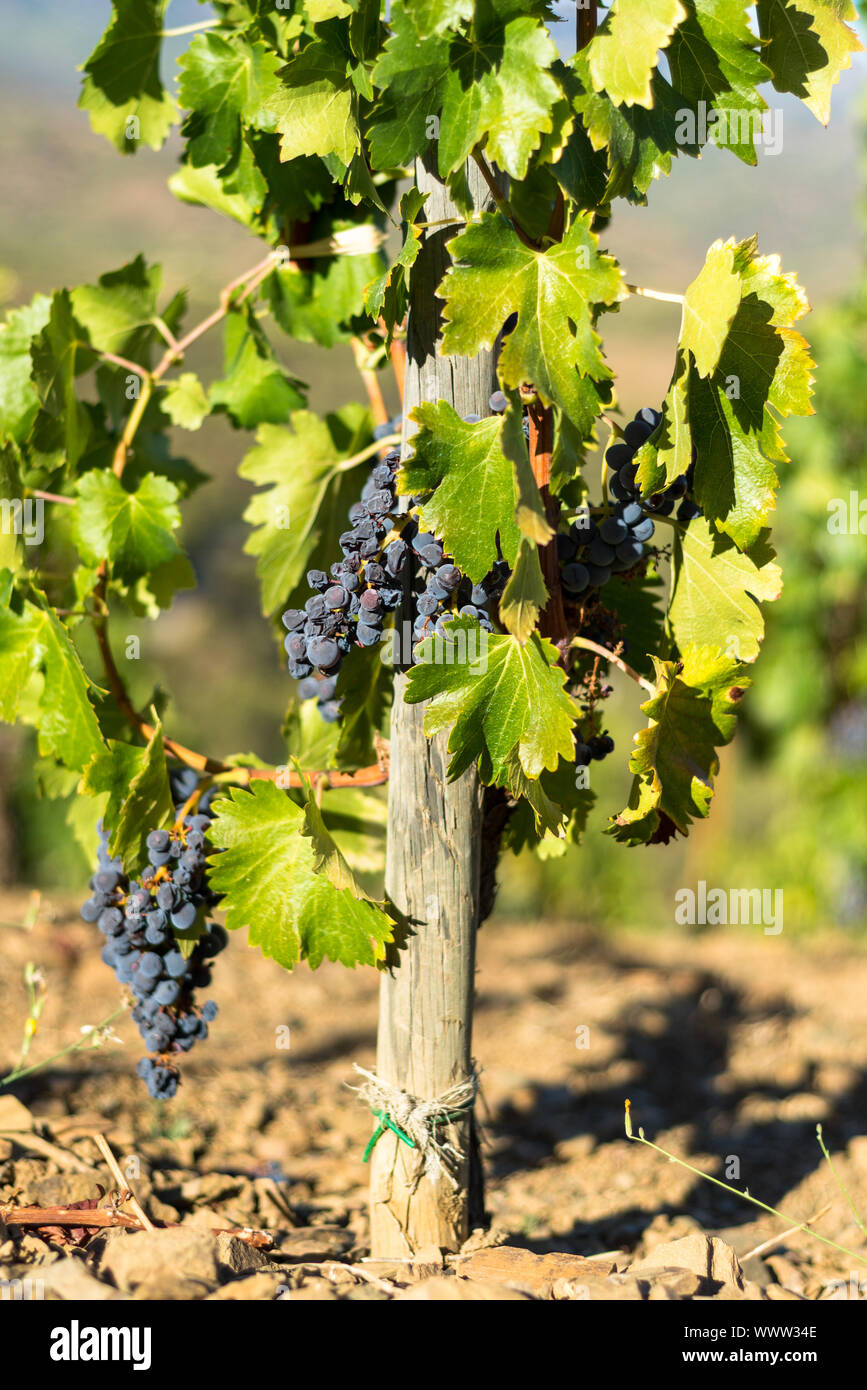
(588, 646)
(587, 22)
(541, 419)
(123, 1186)
(69, 1216)
(397, 353)
(379, 409)
(499, 196)
(103, 1217)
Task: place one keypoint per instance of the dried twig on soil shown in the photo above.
(35, 1144)
(123, 1186)
(96, 1217)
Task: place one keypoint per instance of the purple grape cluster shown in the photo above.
(591, 551)
(138, 918)
(346, 608)
(624, 488)
(442, 593)
(597, 747)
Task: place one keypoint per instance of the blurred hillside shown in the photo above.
(75, 208)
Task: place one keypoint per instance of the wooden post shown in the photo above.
(434, 836)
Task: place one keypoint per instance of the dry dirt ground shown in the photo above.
(731, 1046)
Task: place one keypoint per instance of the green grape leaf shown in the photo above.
(254, 389)
(185, 401)
(433, 16)
(19, 402)
(692, 713)
(206, 187)
(60, 354)
(387, 294)
(807, 45)
(499, 90)
(709, 306)
(319, 10)
(315, 106)
(132, 530)
(555, 807)
(319, 305)
(122, 91)
(471, 486)
(554, 344)
(525, 595)
(635, 143)
(13, 516)
(735, 481)
(267, 876)
(503, 698)
(716, 592)
(669, 453)
(34, 640)
(117, 313)
(225, 84)
(156, 590)
(139, 796)
(714, 65)
(308, 492)
(623, 54)
(736, 374)
(19, 659)
(358, 822)
(409, 73)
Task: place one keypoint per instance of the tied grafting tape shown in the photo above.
(415, 1122)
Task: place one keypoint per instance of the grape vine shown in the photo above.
(320, 127)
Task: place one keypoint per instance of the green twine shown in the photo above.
(386, 1122)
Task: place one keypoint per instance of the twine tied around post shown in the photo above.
(415, 1122)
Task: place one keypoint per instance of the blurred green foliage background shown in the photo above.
(789, 810)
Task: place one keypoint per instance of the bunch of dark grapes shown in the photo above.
(591, 551)
(624, 488)
(347, 607)
(597, 747)
(138, 919)
(442, 592)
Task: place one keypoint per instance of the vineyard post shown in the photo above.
(434, 836)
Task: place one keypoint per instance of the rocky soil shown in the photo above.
(731, 1046)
